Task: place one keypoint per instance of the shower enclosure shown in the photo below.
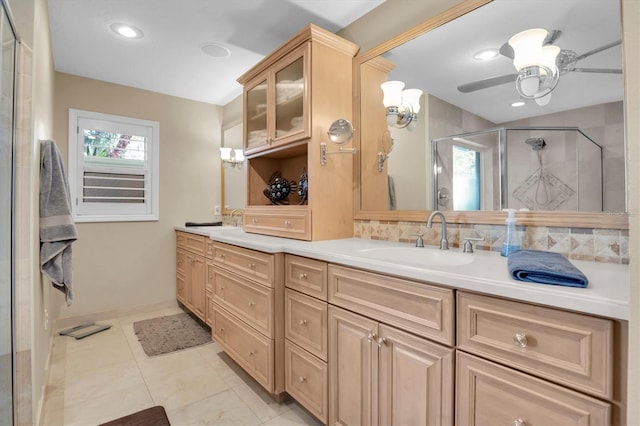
(535, 168)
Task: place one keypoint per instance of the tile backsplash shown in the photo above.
(599, 245)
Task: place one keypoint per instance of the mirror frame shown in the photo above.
(617, 220)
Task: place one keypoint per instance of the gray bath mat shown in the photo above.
(171, 333)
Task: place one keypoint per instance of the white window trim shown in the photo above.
(76, 169)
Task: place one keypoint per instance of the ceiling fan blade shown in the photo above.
(599, 49)
(487, 82)
(597, 70)
(507, 50)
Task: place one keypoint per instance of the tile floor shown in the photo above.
(108, 375)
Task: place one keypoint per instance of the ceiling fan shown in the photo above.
(565, 61)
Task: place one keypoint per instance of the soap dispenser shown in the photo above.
(511, 242)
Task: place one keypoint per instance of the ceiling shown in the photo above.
(442, 59)
(169, 58)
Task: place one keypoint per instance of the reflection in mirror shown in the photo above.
(233, 175)
(472, 146)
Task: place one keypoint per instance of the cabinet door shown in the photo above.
(490, 394)
(353, 361)
(416, 380)
(291, 97)
(197, 286)
(255, 109)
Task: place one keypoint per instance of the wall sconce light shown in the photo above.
(402, 105)
(538, 73)
(232, 157)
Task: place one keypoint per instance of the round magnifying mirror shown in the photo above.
(340, 132)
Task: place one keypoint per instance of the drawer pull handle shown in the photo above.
(252, 304)
(252, 266)
(371, 336)
(519, 422)
(381, 341)
(303, 276)
(303, 379)
(521, 340)
(254, 220)
(303, 322)
(287, 223)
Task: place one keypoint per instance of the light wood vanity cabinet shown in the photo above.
(248, 315)
(379, 373)
(190, 272)
(540, 366)
(290, 99)
(306, 350)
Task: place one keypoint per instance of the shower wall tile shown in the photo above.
(599, 245)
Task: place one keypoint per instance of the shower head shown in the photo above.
(536, 143)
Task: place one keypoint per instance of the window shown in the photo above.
(113, 167)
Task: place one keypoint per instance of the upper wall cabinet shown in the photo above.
(290, 100)
(276, 103)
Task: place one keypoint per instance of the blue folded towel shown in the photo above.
(545, 267)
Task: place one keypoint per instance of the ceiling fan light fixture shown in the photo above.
(527, 47)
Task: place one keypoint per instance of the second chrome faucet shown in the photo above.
(444, 243)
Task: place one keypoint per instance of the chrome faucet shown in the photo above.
(234, 222)
(444, 244)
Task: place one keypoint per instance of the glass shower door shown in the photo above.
(7, 72)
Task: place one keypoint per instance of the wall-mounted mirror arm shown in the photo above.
(340, 132)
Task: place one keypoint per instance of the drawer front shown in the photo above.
(415, 307)
(248, 301)
(306, 380)
(489, 394)
(251, 264)
(191, 242)
(251, 350)
(306, 322)
(308, 276)
(572, 349)
(280, 224)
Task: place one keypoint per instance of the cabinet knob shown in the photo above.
(371, 336)
(221, 256)
(221, 287)
(521, 340)
(221, 329)
(254, 220)
(287, 223)
(252, 304)
(381, 341)
(252, 266)
(303, 322)
(252, 353)
(518, 422)
(303, 276)
(302, 379)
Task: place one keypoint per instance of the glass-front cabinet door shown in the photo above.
(276, 104)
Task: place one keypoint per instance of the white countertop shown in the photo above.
(606, 295)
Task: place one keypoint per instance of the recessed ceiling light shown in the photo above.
(486, 54)
(216, 50)
(127, 31)
(517, 104)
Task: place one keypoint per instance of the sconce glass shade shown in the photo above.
(239, 155)
(527, 47)
(412, 98)
(392, 93)
(225, 153)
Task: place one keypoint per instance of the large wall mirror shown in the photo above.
(233, 172)
(546, 136)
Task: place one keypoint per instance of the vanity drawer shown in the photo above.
(490, 394)
(306, 322)
(248, 301)
(308, 276)
(283, 222)
(572, 349)
(191, 242)
(306, 380)
(251, 264)
(416, 307)
(251, 350)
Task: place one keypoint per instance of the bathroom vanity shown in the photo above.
(357, 335)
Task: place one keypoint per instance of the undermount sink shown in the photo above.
(418, 256)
